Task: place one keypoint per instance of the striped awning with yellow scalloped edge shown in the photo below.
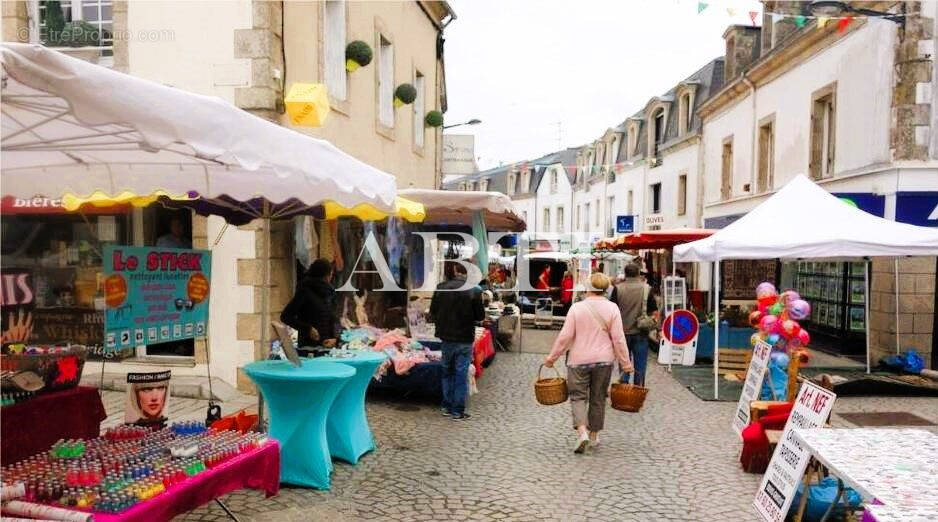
(72, 202)
(404, 208)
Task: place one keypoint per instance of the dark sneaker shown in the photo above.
(462, 416)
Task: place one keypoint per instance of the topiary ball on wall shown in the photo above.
(434, 119)
(357, 54)
(405, 94)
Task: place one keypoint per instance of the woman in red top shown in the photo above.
(566, 291)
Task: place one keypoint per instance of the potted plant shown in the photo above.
(357, 54)
(434, 119)
(404, 94)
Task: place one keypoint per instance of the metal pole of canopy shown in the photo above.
(716, 329)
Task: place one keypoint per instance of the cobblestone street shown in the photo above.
(676, 460)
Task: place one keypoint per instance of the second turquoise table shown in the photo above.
(347, 428)
(299, 400)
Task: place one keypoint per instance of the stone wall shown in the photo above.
(263, 45)
(912, 97)
(15, 21)
(743, 45)
(916, 307)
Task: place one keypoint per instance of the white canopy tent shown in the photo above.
(804, 221)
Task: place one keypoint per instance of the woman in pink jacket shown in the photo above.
(593, 339)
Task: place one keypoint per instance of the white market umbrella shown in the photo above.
(72, 127)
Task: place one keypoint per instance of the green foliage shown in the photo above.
(406, 93)
(434, 119)
(359, 52)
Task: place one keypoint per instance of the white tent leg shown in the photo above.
(897, 304)
(673, 274)
(716, 330)
(866, 276)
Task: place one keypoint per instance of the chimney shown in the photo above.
(742, 49)
(775, 33)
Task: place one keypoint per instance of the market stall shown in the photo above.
(827, 229)
(414, 364)
(104, 137)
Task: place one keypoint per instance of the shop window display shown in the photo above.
(837, 293)
(51, 284)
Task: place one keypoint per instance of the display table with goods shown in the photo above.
(41, 401)
(135, 474)
(415, 367)
(347, 430)
(891, 467)
(299, 400)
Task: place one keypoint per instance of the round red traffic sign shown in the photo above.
(680, 327)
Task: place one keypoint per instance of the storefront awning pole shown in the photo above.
(671, 347)
(265, 306)
(716, 329)
(866, 277)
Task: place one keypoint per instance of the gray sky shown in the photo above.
(523, 65)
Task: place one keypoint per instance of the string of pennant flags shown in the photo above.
(801, 20)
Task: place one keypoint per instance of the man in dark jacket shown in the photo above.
(455, 313)
(311, 312)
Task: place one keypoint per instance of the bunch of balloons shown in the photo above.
(777, 321)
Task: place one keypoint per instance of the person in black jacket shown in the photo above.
(455, 313)
(311, 312)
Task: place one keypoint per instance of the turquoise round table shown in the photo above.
(299, 400)
(347, 427)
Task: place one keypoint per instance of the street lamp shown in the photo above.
(473, 121)
(833, 9)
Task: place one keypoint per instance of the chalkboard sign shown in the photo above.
(741, 277)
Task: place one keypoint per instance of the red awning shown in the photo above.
(654, 239)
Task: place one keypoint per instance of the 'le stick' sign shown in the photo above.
(812, 408)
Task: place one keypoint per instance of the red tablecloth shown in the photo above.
(258, 469)
(33, 426)
(482, 350)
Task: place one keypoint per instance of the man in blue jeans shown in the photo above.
(634, 299)
(455, 311)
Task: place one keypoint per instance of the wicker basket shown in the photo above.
(550, 391)
(58, 370)
(628, 397)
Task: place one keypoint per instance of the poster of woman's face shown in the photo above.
(147, 397)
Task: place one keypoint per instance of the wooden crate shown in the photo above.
(734, 360)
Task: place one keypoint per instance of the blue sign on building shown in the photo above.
(625, 224)
(917, 208)
(869, 203)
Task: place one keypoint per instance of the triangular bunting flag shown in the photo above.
(822, 21)
(843, 23)
(701, 6)
(800, 21)
(752, 16)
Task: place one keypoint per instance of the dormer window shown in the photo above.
(658, 131)
(484, 185)
(686, 113)
(631, 141)
(511, 183)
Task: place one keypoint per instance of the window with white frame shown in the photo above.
(655, 190)
(97, 29)
(419, 109)
(586, 217)
(553, 181)
(597, 213)
(545, 226)
(385, 82)
(682, 195)
(685, 113)
(333, 49)
(629, 203)
(576, 216)
(823, 118)
(511, 183)
(560, 225)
